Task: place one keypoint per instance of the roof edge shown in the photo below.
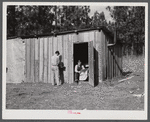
(62, 33)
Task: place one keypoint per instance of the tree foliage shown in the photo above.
(98, 19)
(130, 25)
(29, 20)
(45, 19)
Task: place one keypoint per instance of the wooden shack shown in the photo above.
(96, 47)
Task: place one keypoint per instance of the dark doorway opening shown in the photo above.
(81, 53)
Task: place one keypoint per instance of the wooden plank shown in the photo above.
(70, 57)
(104, 57)
(74, 40)
(109, 63)
(32, 59)
(25, 67)
(62, 38)
(96, 45)
(96, 54)
(72, 67)
(99, 55)
(65, 41)
(106, 51)
(36, 61)
(91, 65)
(62, 80)
(92, 36)
(121, 57)
(120, 60)
(49, 60)
(59, 41)
(86, 37)
(45, 60)
(28, 60)
(112, 62)
(80, 37)
(41, 68)
(117, 61)
(54, 45)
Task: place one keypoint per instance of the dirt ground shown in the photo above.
(115, 95)
(126, 93)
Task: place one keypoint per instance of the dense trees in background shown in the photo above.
(11, 21)
(46, 19)
(130, 25)
(129, 22)
(98, 19)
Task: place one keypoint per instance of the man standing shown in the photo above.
(55, 68)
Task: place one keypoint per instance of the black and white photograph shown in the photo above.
(75, 60)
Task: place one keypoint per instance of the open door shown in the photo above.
(91, 63)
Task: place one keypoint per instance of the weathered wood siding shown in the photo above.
(113, 59)
(107, 60)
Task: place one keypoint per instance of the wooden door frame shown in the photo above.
(91, 63)
(73, 54)
(88, 59)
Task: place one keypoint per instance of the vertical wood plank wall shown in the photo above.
(107, 60)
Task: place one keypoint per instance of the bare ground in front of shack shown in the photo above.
(125, 95)
(118, 94)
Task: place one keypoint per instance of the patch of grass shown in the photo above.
(69, 97)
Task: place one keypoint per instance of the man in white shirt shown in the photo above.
(55, 69)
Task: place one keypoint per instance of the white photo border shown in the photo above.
(63, 114)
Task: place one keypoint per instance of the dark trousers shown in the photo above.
(77, 77)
